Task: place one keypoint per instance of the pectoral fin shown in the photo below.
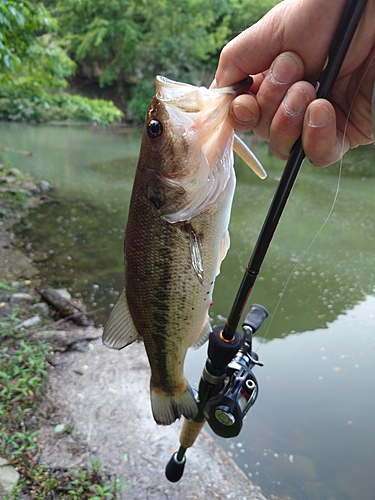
(245, 153)
(203, 336)
(224, 247)
(120, 329)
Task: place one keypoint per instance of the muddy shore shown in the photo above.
(102, 397)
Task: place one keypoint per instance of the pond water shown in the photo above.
(311, 433)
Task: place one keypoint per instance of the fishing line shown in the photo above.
(304, 253)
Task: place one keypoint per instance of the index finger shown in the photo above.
(287, 27)
(238, 59)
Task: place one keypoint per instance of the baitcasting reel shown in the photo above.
(233, 392)
(227, 389)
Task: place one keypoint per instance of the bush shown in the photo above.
(59, 107)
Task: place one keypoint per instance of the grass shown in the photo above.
(23, 377)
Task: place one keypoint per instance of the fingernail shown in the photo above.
(284, 70)
(242, 114)
(318, 116)
(295, 101)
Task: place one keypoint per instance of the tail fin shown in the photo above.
(166, 408)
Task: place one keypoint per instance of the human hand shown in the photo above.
(285, 52)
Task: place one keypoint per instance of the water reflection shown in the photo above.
(311, 433)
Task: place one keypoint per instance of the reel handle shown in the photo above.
(255, 317)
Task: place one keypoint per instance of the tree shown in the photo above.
(102, 35)
(248, 12)
(123, 41)
(34, 68)
(29, 58)
(183, 40)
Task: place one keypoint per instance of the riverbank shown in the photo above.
(85, 427)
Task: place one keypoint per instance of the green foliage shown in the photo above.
(35, 67)
(182, 42)
(19, 21)
(120, 43)
(126, 40)
(59, 107)
(44, 70)
(90, 484)
(142, 96)
(248, 12)
(102, 36)
(22, 374)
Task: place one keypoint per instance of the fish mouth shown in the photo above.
(189, 98)
(198, 117)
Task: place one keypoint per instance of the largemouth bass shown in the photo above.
(176, 235)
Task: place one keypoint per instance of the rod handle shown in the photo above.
(175, 468)
(189, 432)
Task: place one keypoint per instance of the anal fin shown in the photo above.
(120, 329)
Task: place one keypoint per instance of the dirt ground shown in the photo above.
(103, 396)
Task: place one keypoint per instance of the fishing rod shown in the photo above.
(228, 387)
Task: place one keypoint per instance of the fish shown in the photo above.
(177, 235)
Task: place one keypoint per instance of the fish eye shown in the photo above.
(154, 129)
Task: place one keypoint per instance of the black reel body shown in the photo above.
(236, 389)
(225, 411)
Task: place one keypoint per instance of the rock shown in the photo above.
(60, 429)
(5, 296)
(15, 172)
(7, 179)
(8, 477)
(41, 308)
(30, 187)
(104, 401)
(64, 293)
(20, 297)
(14, 264)
(29, 323)
(4, 212)
(65, 339)
(44, 186)
(40, 257)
